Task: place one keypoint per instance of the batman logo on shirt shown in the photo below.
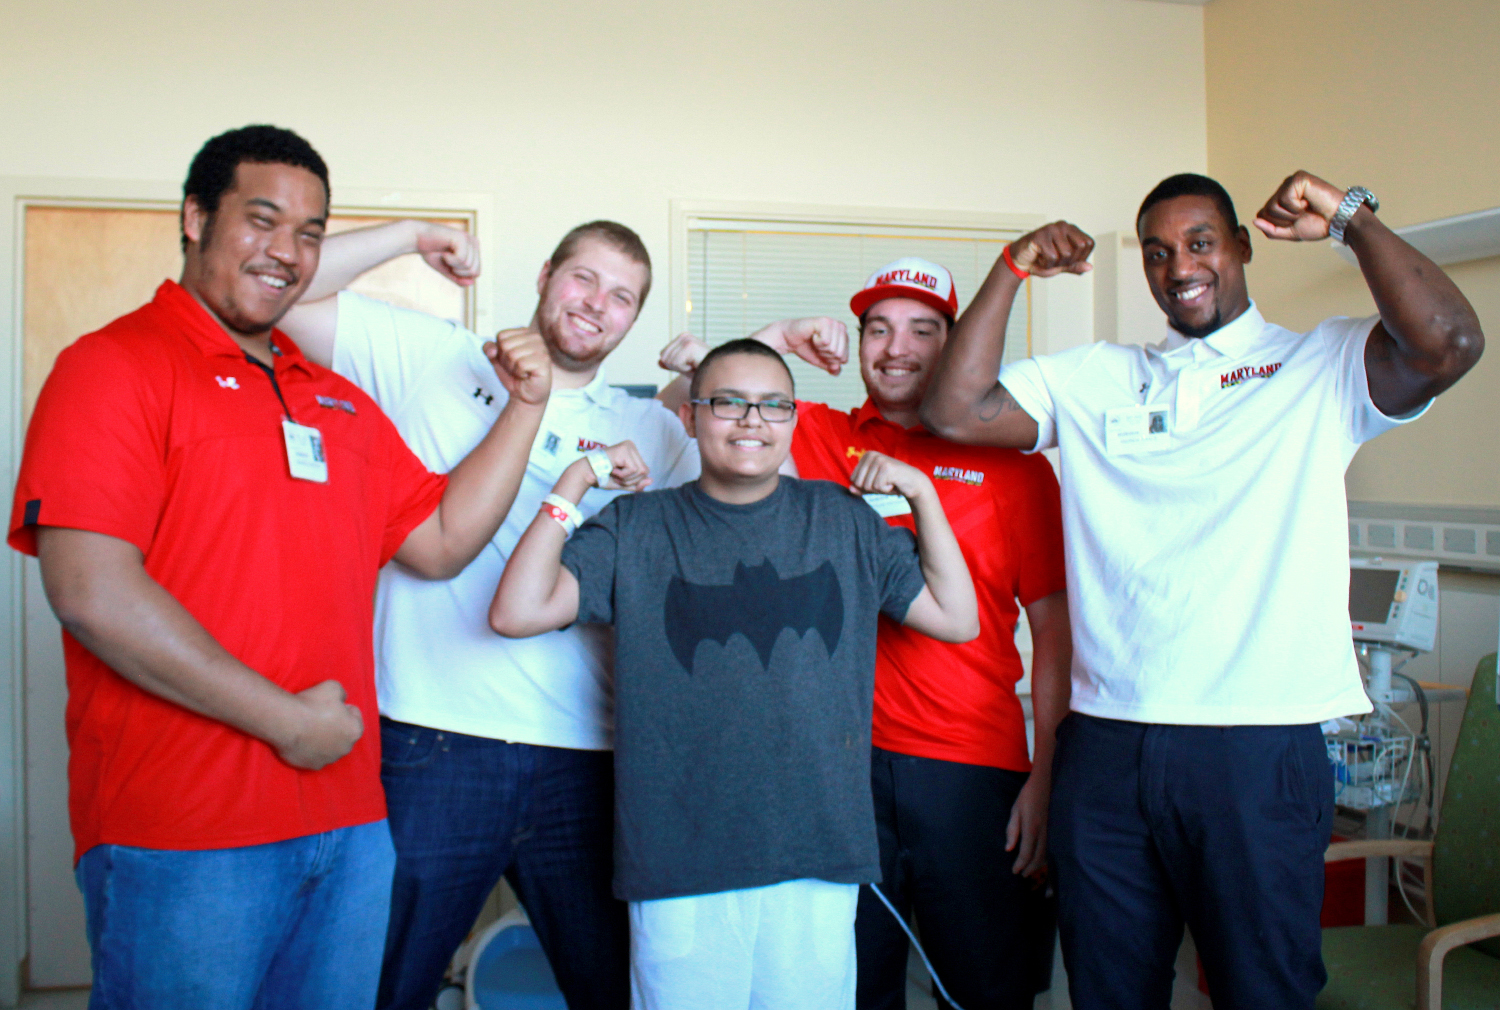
(757, 605)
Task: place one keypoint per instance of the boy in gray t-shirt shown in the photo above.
(745, 608)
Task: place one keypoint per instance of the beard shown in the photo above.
(1197, 332)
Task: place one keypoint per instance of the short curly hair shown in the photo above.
(212, 172)
(1190, 184)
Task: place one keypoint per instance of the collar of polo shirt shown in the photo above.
(1232, 340)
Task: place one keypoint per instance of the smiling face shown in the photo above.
(898, 348)
(742, 454)
(588, 303)
(1195, 265)
(250, 260)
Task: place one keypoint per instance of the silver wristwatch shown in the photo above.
(1352, 199)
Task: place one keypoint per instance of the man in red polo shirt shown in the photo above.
(960, 806)
(210, 510)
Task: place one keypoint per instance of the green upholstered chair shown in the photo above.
(1455, 963)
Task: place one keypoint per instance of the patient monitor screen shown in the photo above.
(1371, 593)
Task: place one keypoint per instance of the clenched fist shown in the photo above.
(452, 253)
(325, 727)
(1053, 249)
(522, 364)
(877, 473)
(1300, 209)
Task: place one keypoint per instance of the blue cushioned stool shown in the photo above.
(508, 971)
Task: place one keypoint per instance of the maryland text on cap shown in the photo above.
(909, 277)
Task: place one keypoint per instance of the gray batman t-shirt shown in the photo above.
(744, 671)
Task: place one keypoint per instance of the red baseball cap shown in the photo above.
(909, 277)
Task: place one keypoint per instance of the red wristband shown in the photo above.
(563, 519)
(1005, 255)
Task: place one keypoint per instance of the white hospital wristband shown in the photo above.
(567, 508)
(600, 462)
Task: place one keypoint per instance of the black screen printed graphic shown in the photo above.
(758, 604)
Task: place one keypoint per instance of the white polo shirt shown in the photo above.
(437, 663)
(1208, 565)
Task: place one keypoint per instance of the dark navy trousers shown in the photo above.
(464, 811)
(941, 826)
(1221, 828)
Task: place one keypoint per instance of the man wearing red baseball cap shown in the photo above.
(960, 807)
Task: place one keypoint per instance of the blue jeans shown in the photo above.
(466, 810)
(1219, 827)
(291, 924)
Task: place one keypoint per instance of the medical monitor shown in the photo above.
(1394, 602)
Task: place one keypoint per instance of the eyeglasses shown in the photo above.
(734, 408)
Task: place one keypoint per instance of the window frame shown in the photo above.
(688, 215)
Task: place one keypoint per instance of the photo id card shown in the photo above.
(1132, 430)
(304, 452)
(887, 505)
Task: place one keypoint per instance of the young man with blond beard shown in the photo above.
(497, 754)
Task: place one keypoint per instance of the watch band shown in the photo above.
(600, 463)
(1353, 198)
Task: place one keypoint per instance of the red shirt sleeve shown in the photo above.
(415, 491)
(95, 456)
(1036, 508)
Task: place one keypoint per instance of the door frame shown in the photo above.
(17, 195)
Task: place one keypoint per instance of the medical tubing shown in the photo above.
(912, 937)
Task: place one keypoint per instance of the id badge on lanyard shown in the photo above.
(304, 452)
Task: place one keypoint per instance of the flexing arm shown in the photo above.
(965, 402)
(1428, 335)
(482, 487)
(946, 608)
(313, 321)
(818, 340)
(99, 588)
(1051, 690)
(536, 593)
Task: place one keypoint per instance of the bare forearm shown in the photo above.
(943, 566)
(528, 599)
(1432, 334)
(481, 490)
(350, 253)
(106, 601)
(965, 401)
(676, 393)
(1051, 672)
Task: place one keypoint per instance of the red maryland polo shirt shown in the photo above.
(935, 699)
(158, 430)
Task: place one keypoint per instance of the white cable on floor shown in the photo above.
(920, 952)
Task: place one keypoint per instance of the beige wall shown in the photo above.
(569, 111)
(1403, 98)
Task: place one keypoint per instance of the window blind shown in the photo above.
(743, 275)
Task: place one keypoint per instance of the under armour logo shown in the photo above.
(1143, 387)
(853, 453)
(229, 383)
(480, 394)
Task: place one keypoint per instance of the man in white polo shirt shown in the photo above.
(1207, 550)
(497, 755)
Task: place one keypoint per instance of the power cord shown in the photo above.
(913, 938)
